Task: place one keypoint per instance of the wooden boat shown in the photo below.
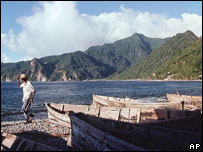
(127, 99)
(58, 113)
(10, 142)
(98, 134)
(104, 101)
(188, 100)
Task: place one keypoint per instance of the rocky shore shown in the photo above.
(40, 130)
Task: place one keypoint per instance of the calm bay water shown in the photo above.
(81, 93)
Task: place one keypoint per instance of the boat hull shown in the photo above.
(58, 113)
(86, 137)
(93, 133)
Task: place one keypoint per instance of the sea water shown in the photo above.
(80, 92)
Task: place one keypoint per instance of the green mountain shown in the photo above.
(135, 57)
(178, 58)
(9, 70)
(186, 65)
(69, 66)
(121, 54)
(97, 62)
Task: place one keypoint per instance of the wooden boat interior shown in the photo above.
(162, 135)
(134, 115)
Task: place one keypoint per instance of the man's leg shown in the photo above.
(25, 108)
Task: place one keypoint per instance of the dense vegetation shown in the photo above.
(179, 58)
(121, 54)
(186, 65)
(69, 66)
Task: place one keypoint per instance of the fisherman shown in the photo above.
(28, 95)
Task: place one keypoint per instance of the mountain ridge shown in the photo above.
(97, 62)
(147, 68)
(126, 51)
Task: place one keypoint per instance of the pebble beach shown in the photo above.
(40, 130)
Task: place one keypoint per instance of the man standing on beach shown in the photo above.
(28, 95)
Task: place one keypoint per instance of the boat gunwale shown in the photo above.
(138, 103)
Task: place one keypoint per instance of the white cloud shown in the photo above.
(26, 58)
(9, 40)
(8, 59)
(57, 27)
(5, 58)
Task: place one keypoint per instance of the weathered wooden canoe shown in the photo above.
(57, 113)
(10, 142)
(104, 101)
(127, 99)
(98, 134)
(188, 100)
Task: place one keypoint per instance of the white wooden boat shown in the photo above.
(58, 113)
(105, 101)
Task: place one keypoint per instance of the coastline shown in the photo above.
(94, 80)
(40, 130)
(163, 80)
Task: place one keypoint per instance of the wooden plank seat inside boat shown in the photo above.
(136, 115)
(93, 133)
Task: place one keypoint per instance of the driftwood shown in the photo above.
(93, 133)
(10, 142)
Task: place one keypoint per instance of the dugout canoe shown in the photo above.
(105, 101)
(10, 142)
(91, 133)
(188, 99)
(58, 113)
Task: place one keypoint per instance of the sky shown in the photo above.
(32, 29)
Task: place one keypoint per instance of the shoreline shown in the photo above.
(40, 130)
(155, 80)
(114, 80)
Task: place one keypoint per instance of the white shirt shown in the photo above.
(27, 90)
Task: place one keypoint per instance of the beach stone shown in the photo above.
(40, 130)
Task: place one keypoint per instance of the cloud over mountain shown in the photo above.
(58, 27)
